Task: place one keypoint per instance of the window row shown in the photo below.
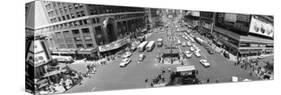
(65, 17)
(118, 17)
(99, 9)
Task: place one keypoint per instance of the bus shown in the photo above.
(142, 45)
(150, 46)
(63, 59)
(199, 40)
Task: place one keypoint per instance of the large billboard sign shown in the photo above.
(37, 53)
(260, 27)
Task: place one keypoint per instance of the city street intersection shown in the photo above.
(112, 77)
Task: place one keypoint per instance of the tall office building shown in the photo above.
(87, 29)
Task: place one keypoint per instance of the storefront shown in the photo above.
(89, 53)
(113, 47)
(64, 52)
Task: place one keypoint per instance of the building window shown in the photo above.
(70, 7)
(63, 18)
(59, 4)
(56, 11)
(72, 15)
(76, 6)
(98, 20)
(85, 21)
(54, 4)
(76, 32)
(94, 20)
(48, 6)
(79, 46)
(67, 16)
(78, 14)
(89, 45)
(59, 19)
(85, 30)
(82, 13)
(80, 22)
(81, 5)
(65, 9)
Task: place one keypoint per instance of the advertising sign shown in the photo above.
(37, 51)
(230, 17)
(262, 28)
(195, 13)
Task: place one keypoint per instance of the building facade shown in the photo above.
(206, 23)
(234, 33)
(89, 30)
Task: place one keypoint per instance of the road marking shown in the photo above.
(204, 56)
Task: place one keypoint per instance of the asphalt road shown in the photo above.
(112, 77)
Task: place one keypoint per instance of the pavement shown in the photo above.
(112, 77)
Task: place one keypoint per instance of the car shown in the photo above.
(192, 49)
(189, 44)
(184, 44)
(127, 54)
(197, 54)
(225, 54)
(125, 62)
(188, 54)
(210, 51)
(205, 63)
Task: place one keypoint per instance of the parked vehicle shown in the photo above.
(125, 62)
(150, 46)
(127, 54)
(197, 54)
(209, 50)
(188, 54)
(205, 63)
(225, 54)
(159, 42)
(142, 46)
(141, 57)
(192, 49)
(63, 59)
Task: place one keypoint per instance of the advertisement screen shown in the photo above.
(230, 17)
(262, 28)
(195, 13)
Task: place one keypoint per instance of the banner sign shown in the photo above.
(262, 28)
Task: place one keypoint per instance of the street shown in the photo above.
(112, 77)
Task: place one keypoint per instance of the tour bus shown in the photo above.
(199, 40)
(159, 42)
(150, 46)
(191, 39)
(64, 59)
(142, 45)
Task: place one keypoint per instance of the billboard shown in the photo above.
(230, 17)
(260, 27)
(37, 50)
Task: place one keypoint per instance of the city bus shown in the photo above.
(64, 59)
(150, 46)
(142, 45)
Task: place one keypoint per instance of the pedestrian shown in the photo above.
(146, 80)
(208, 80)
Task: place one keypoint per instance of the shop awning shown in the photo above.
(43, 85)
(244, 52)
(42, 81)
(254, 51)
(185, 68)
(52, 73)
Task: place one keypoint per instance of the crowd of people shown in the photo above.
(254, 65)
